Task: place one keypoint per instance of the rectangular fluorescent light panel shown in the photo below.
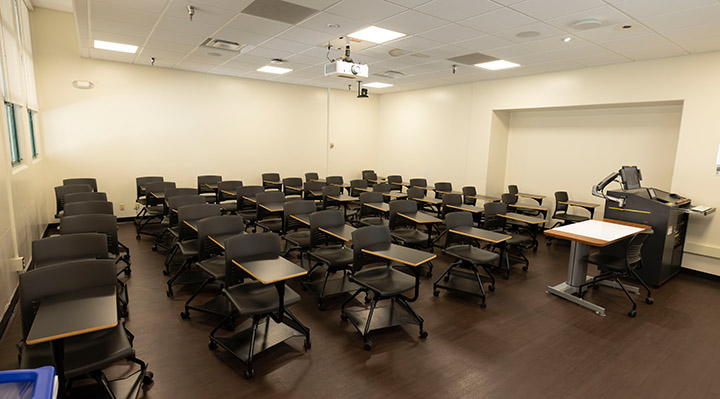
(376, 35)
(123, 48)
(378, 85)
(497, 65)
(275, 70)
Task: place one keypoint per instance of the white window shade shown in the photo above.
(14, 87)
(27, 56)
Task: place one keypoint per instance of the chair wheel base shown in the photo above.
(148, 377)
(632, 313)
(436, 292)
(649, 301)
(423, 334)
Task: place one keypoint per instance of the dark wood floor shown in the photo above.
(526, 343)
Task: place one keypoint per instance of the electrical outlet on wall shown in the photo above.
(122, 207)
(17, 264)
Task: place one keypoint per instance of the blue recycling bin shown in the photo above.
(37, 383)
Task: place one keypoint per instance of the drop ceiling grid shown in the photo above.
(438, 29)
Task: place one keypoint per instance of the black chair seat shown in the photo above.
(274, 225)
(410, 236)
(300, 238)
(256, 298)
(471, 254)
(570, 218)
(606, 261)
(83, 353)
(154, 210)
(188, 248)
(214, 267)
(384, 280)
(250, 215)
(374, 221)
(333, 256)
(518, 239)
(228, 206)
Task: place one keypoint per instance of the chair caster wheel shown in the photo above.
(525, 268)
(649, 301)
(127, 272)
(154, 248)
(506, 275)
(212, 345)
(169, 293)
(491, 287)
(148, 377)
(184, 315)
(321, 306)
(428, 275)
(249, 373)
(166, 273)
(483, 304)
(308, 344)
(137, 237)
(343, 317)
(126, 257)
(367, 298)
(436, 292)
(423, 334)
(446, 278)
(632, 313)
(548, 243)
(367, 346)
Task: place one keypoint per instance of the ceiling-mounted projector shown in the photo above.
(346, 70)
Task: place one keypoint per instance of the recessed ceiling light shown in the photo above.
(377, 85)
(214, 54)
(277, 61)
(376, 35)
(123, 48)
(275, 70)
(529, 33)
(586, 23)
(333, 26)
(567, 39)
(497, 65)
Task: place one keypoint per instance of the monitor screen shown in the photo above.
(631, 177)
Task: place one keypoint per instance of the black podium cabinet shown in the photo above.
(668, 215)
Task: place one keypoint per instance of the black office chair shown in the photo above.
(358, 187)
(88, 208)
(379, 283)
(204, 182)
(513, 189)
(271, 181)
(403, 230)
(419, 183)
(382, 188)
(330, 180)
(227, 195)
(310, 176)
(615, 268)
(85, 196)
(464, 269)
(212, 232)
(511, 199)
(247, 208)
(369, 175)
(331, 191)
(63, 248)
(518, 241)
(90, 181)
(448, 201)
(441, 188)
(252, 298)
(150, 221)
(292, 187)
(187, 244)
(415, 193)
(266, 219)
(395, 182)
(141, 197)
(297, 233)
(97, 223)
(85, 355)
(468, 193)
(175, 191)
(312, 191)
(171, 228)
(330, 253)
(369, 216)
(561, 214)
(62, 191)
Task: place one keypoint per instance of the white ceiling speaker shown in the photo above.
(82, 84)
(586, 24)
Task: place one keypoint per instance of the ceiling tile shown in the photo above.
(511, 52)
(231, 5)
(193, 67)
(484, 43)
(253, 24)
(268, 53)
(555, 43)
(114, 26)
(451, 33)
(365, 11)
(285, 45)
(246, 60)
(681, 19)
(606, 14)
(170, 46)
(178, 37)
(122, 14)
(306, 59)
(183, 25)
(316, 4)
(508, 2)
(411, 22)
(696, 39)
(455, 10)
(153, 6)
(409, 3)
(414, 44)
(444, 52)
(307, 36)
(649, 40)
(204, 14)
(497, 21)
(239, 36)
(601, 58)
(543, 29)
(545, 9)
(321, 20)
(644, 53)
(649, 8)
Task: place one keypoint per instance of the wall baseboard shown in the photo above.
(702, 275)
(5, 321)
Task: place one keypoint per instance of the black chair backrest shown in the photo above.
(371, 197)
(63, 248)
(192, 213)
(106, 224)
(355, 184)
(395, 182)
(334, 180)
(62, 278)
(88, 208)
(415, 193)
(368, 174)
(491, 212)
(381, 188)
(215, 226)
(230, 186)
(302, 207)
(90, 181)
(331, 190)
(327, 219)
(311, 176)
(268, 197)
(271, 181)
(157, 188)
(181, 200)
(292, 186)
(141, 182)
(85, 196)
(372, 238)
(174, 192)
(509, 198)
(633, 254)
(512, 189)
(419, 183)
(468, 192)
(560, 196)
(62, 191)
(402, 206)
(312, 190)
(248, 247)
(443, 186)
(203, 181)
(458, 219)
(450, 199)
(248, 192)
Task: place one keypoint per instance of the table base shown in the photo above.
(566, 291)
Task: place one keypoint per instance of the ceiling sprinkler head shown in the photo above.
(454, 69)
(152, 61)
(191, 11)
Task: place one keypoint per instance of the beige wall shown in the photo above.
(435, 121)
(141, 120)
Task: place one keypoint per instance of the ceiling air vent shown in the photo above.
(223, 44)
(391, 74)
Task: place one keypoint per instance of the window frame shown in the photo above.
(31, 126)
(15, 154)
